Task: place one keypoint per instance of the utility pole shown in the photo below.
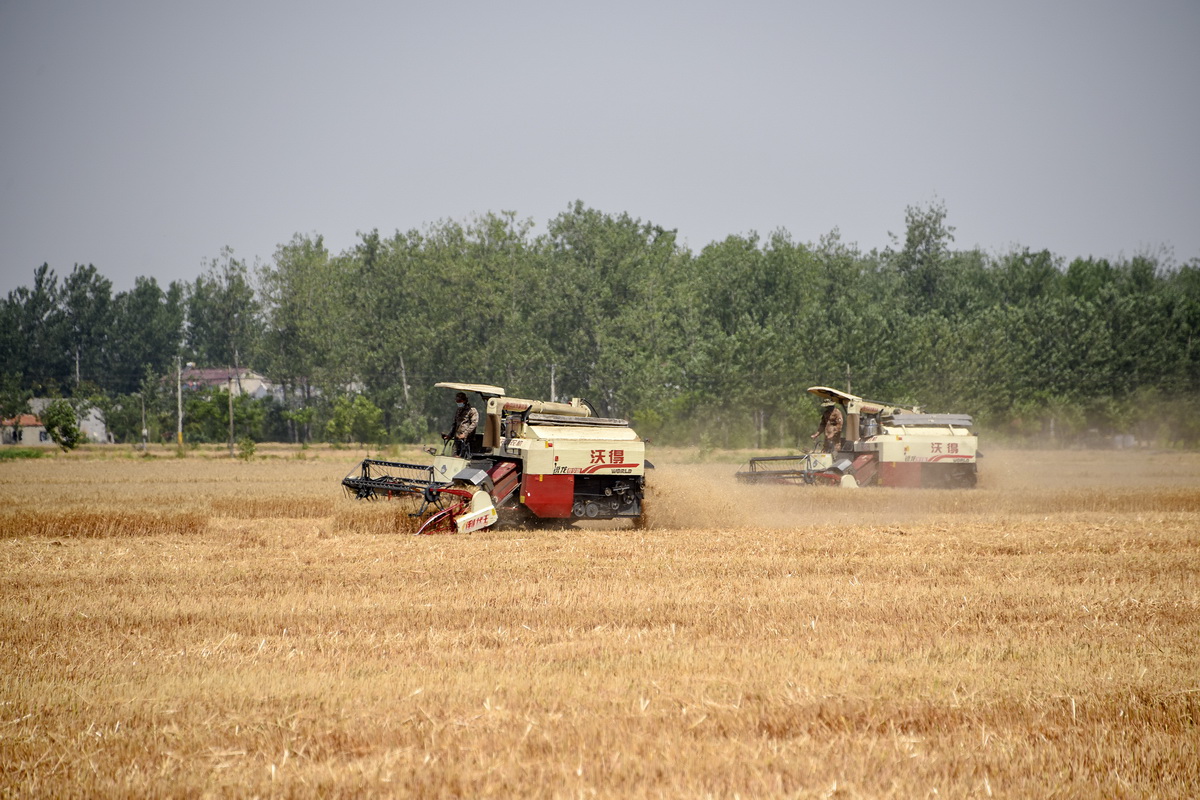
(179, 398)
(231, 416)
(179, 395)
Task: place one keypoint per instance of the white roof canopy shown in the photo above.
(825, 393)
(478, 388)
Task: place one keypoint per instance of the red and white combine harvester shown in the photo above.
(881, 444)
(531, 463)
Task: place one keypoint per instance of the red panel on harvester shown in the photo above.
(549, 496)
(864, 468)
(504, 480)
(900, 473)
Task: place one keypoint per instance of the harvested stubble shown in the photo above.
(1027, 652)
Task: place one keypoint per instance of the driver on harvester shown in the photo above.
(466, 419)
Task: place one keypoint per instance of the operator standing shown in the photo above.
(466, 419)
(831, 425)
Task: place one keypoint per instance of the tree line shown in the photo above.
(714, 347)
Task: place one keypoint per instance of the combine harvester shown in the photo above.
(882, 445)
(535, 463)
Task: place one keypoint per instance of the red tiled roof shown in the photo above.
(25, 421)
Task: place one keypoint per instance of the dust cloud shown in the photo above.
(708, 496)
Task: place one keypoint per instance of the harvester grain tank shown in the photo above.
(532, 462)
(882, 444)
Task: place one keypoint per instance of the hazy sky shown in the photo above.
(143, 137)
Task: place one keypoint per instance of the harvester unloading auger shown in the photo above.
(881, 444)
(532, 463)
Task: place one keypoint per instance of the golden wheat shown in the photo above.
(99, 524)
(1031, 638)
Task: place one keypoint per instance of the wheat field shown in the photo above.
(203, 627)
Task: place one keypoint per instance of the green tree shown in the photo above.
(62, 424)
(1024, 277)
(421, 303)
(922, 261)
(1183, 328)
(147, 333)
(122, 415)
(14, 399)
(741, 352)
(41, 331)
(206, 415)
(224, 326)
(1089, 279)
(312, 345)
(87, 316)
(358, 420)
(608, 296)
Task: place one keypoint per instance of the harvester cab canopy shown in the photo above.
(479, 388)
(857, 405)
(504, 417)
(832, 395)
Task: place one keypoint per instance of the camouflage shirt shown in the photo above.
(466, 419)
(831, 422)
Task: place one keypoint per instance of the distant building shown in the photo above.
(242, 381)
(91, 425)
(28, 430)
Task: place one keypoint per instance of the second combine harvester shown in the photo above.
(882, 444)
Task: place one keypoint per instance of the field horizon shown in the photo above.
(202, 626)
